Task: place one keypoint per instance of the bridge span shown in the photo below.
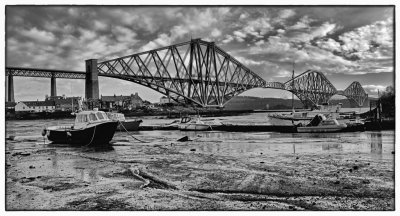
(193, 72)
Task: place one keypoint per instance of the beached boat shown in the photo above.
(320, 124)
(325, 109)
(125, 124)
(91, 128)
(188, 123)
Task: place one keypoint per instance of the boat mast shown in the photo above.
(293, 89)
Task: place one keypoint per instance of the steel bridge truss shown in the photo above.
(199, 72)
(311, 87)
(196, 72)
(355, 93)
(35, 72)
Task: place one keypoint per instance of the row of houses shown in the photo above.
(62, 103)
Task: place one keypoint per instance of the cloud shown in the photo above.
(216, 33)
(373, 89)
(38, 35)
(345, 40)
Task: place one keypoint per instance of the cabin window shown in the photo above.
(81, 118)
(92, 117)
(100, 116)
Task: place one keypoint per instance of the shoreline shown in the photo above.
(170, 175)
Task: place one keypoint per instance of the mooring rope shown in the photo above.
(94, 132)
(130, 134)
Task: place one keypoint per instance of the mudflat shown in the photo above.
(171, 175)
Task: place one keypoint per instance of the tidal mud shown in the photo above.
(215, 171)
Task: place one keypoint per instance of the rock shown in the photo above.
(261, 153)
(192, 149)
(350, 170)
(31, 167)
(392, 152)
(314, 203)
(297, 158)
(183, 139)
(48, 158)
(25, 153)
(366, 181)
(355, 167)
(262, 162)
(336, 182)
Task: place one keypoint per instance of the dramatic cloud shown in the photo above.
(338, 41)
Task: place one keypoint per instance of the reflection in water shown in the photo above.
(93, 175)
(380, 144)
(331, 146)
(376, 143)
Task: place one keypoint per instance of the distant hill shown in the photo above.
(256, 103)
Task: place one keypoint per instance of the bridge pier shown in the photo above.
(53, 90)
(92, 80)
(10, 89)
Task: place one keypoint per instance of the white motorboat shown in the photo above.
(325, 109)
(320, 124)
(189, 124)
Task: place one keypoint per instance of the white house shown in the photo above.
(35, 106)
(165, 100)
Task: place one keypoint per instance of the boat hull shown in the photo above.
(319, 129)
(194, 127)
(94, 135)
(129, 125)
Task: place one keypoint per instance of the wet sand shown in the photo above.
(197, 175)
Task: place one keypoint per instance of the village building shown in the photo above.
(166, 100)
(10, 107)
(35, 106)
(130, 102)
(63, 103)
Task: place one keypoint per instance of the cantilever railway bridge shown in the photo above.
(194, 72)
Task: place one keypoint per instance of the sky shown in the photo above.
(345, 43)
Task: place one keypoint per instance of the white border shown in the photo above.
(190, 2)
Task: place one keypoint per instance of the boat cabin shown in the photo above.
(87, 117)
(116, 116)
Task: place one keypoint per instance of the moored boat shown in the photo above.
(91, 128)
(189, 124)
(320, 124)
(125, 124)
(325, 109)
